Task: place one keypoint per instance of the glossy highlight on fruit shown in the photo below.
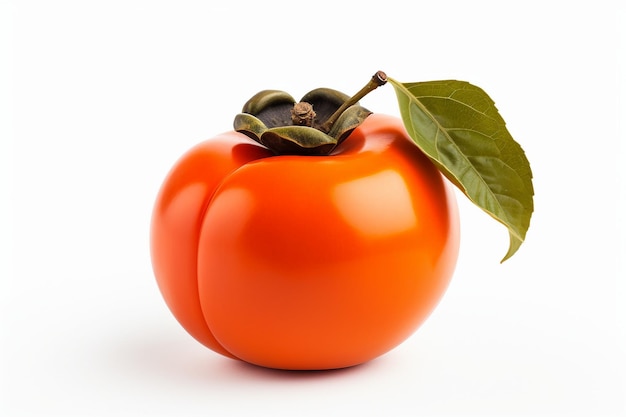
(305, 262)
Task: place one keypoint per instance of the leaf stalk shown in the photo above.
(378, 79)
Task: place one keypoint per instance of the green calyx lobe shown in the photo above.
(274, 119)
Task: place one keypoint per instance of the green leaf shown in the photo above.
(458, 127)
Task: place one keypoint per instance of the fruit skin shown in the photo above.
(305, 262)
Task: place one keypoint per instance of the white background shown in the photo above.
(100, 98)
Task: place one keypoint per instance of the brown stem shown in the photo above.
(302, 114)
(378, 79)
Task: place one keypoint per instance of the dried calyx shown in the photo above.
(315, 125)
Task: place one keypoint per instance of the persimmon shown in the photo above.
(312, 236)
